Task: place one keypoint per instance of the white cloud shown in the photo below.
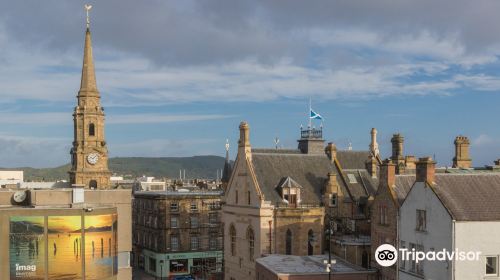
(160, 118)
(482, 140)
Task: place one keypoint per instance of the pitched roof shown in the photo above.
(360, 183)
(402, 186)
(470, 197)
(353, 159)
(309, 171)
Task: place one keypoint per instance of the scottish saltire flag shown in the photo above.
(315, 115)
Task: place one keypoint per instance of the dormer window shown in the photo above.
(289, 191)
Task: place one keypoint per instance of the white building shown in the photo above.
(150, 184)
(452, 212)
(10, 177)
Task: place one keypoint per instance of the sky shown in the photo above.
(177, 77)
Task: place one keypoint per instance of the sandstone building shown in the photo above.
(89, 155)
(178, 233)
(80, 230)
(278, 201)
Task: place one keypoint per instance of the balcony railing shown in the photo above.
(311, 133)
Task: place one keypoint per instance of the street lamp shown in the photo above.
(161, 269)
(330, 262)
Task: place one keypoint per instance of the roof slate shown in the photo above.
(470, 197)
(402, 186)
(309, 171)
(353, 159)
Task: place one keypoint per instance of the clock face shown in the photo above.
(92, 158)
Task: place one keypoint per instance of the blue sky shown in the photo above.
(177, 77)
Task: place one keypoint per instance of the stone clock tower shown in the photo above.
(89, 155)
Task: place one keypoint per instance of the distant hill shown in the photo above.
(196, 167)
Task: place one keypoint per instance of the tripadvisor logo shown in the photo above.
(387, 255)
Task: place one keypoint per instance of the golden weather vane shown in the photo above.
(87, 9)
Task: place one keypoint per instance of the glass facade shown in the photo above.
(63, 247)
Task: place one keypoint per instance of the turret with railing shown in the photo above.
(311, 133)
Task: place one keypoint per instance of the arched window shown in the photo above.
(310, 240)
(251, 243)
(232, 236)
(93, 184)
(288, 243)
(91, 129)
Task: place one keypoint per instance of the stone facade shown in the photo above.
(283, 197)
(172, 225)
(384, 219)
(89, 154)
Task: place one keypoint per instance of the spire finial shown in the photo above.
(227, 145)
(87, 9)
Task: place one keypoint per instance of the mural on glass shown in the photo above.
(27, 247)
(99, 247)
(65, 247)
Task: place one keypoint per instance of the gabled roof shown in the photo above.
(288, 182)
(470, 197)
(402, 187)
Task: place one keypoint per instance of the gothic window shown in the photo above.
(288, 242)
(91, 129)
(251, 243)
(232, 235)
(93, 184)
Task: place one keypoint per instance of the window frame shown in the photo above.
(486, 265)
(176, 219)
(421, 224)
(177, 243)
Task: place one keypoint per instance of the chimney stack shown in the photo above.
(397, 141)
(373, 144)
(331, 151)
(462, 159)
(387, 173)
(332, 184)
(426, 170)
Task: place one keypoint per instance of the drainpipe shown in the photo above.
(398, 242)
(453, 244)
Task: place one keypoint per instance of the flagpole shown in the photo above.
(309, 113)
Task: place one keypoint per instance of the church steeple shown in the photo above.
(88, 84)
(89, 154)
